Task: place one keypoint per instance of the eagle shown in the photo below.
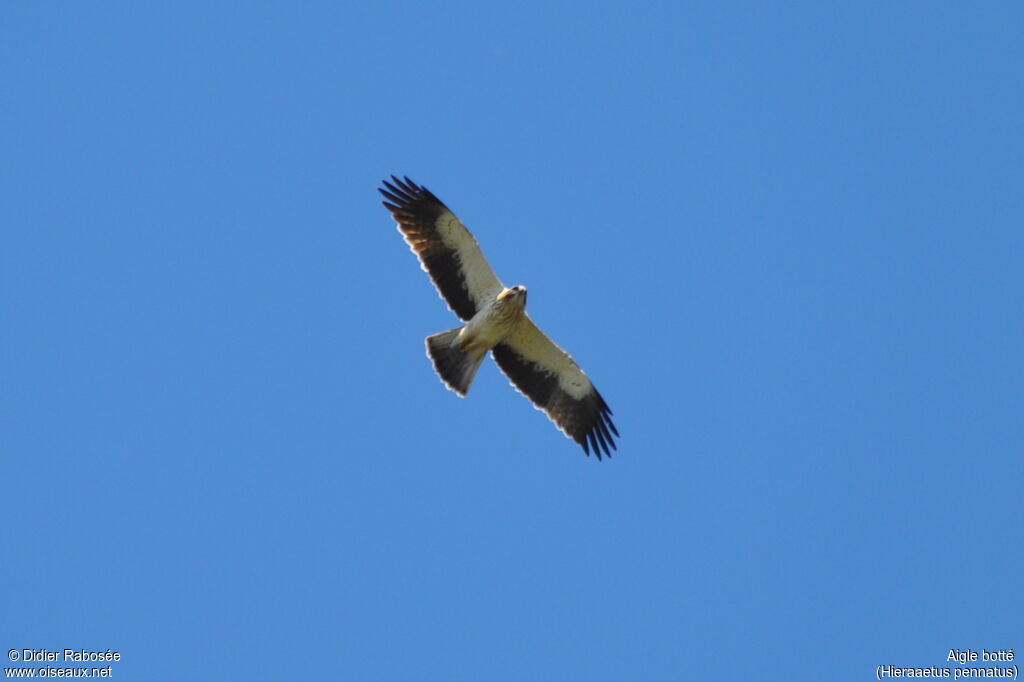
(496, 321)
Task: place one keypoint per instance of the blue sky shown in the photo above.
(784, 240)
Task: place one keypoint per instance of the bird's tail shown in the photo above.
(454, 364)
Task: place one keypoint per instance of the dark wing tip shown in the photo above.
(597, 436)
(405, 194)
(591, 426)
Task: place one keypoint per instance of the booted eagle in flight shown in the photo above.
(496, 321)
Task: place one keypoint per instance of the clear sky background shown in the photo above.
(783, 239)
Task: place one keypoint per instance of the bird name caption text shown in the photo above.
(961, 664)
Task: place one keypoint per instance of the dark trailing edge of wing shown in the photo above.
(587, 421)
(416, 210)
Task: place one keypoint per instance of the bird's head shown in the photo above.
(516, 293)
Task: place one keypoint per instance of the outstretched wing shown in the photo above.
(446, 249)
(549, 377)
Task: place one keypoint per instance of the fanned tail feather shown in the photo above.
(454, 364)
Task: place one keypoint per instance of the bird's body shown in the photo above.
(492, 323)
(496, 321)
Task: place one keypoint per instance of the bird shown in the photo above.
(495, 321)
